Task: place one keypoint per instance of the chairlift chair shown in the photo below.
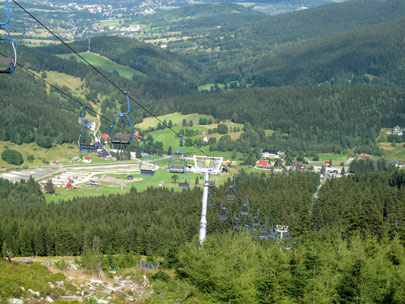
(236, 222)
(256, 220)
(263, 231)
(244, 208)
(7, 64)
(223, 212)
(177, 162)
(230, 192)
(119, 133)
(209, 183)
(88, 140)
(210, 199)
(185, 183)
(147, 164)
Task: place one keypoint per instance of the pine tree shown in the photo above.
(49, 187)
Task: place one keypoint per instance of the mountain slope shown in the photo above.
(148, 59)
(372, 54)
(230, 47)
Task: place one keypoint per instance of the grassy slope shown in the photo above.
(60, 153)
(35, 277)
(169, 138)
(106, 64)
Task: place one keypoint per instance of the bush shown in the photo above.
(222, 129)
(160, 275)
(12, 157)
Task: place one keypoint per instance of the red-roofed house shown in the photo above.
(106, 138)
(87, 159)
(363, 155)
(263, 164)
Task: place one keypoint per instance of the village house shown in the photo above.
(263, 164)
(299, 166)
(106, 138)
(397, 131)
(364, 155)
(268, 153)
(86, 159)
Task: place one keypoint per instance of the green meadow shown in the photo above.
(105, 64)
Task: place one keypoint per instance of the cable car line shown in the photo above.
(104, 76)
(77, 101)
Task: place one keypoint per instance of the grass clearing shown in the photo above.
(106, 64)
(393, 153)
(34, 276)
(161, 178)
(62, 153)
(176, 118)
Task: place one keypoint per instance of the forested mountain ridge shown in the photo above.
(373, 54)
(231, 47)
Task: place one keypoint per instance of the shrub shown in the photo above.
(12, 157)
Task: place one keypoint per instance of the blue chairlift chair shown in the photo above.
(223, 212)
(147, 164)
(210, 199)
(8, 63)
(244, 208)
(121, 129)
(88, 140)
(230, 192)
(236, 222)
(185, 182)
(177, 162)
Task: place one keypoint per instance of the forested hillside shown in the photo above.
(307, 119)
(33, 113)
(373, 54)
(151, 60)
(30, 114)
(232, 46)
(348, 247)
(159, 220)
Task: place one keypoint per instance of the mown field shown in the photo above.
(105, 64)
(168, 137)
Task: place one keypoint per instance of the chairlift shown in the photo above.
(147, 165)
(186, 181)
(223, 212)
(119, 132)
(230, 192)
(88, 140)
(244, 208)
(2, 24)
(210, 199)
(7, 64)
(256, 220)
(236, 222)
(263, 231)
(177, 162)
(210, 183)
